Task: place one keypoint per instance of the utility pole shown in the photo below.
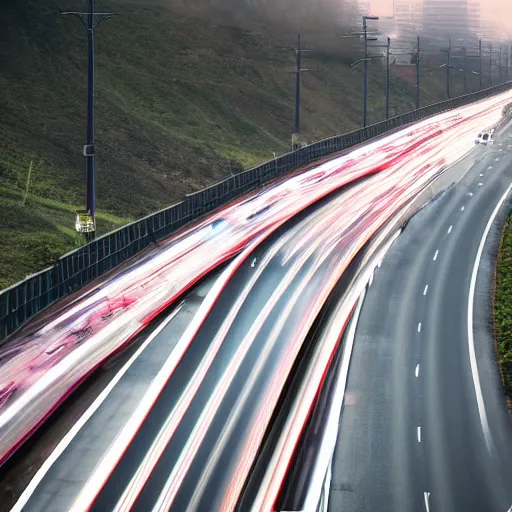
(508, 63)
(500, 67)
(481, 64)
(465, 70)
(448, 65)
(388, 47)
(490, 62)
(365, 64)
(90, 19)
(418, 74)
(298, 71)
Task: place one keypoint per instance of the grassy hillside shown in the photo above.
(503, 306)
(182, 102)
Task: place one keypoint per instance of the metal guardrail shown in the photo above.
(24, 300)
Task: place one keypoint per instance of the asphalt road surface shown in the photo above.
(425, 425)
(91, 440)
(185, 421)
(187, 442)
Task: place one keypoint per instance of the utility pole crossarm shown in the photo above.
(98, 17)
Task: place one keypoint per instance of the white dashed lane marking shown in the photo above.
(435, 255)
(425, 290)
(417, 371)
(450, 229)
(462, 208)
(419, 434)
(419, 327)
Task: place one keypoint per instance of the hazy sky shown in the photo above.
(500, 11)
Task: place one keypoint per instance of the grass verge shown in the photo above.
(503, 306)
(35, 233)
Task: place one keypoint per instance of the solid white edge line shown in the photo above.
(471, 341)
(329, 441)
(328, 445)
(68, 438)
(327, 486)
(426, 497)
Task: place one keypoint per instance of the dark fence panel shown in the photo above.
(22, 301)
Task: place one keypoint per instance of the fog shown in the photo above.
(330, 16)
(498, 13)
(297, 14)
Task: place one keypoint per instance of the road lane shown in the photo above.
(86, 446)
(46, 359)
(312, 254)
(200, 434)
(414, 434)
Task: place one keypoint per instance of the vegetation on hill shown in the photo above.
(503, 306)
(187, 93)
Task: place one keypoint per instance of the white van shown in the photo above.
(484, 138)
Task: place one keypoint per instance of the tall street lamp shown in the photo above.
(418, 73)
(481, 63)
(388, 47)
(90, 19)
(448, 68)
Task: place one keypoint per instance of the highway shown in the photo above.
(41, 364)
(182, 430)
(425, 426)
(191, 440)
(130, 373)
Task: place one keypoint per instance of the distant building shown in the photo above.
(474, 17)
(348, 14)
(446, 18)
(488, 31)
(408, 18)
(364, 7)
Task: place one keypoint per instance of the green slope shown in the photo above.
(181, 103)
(503, 306)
